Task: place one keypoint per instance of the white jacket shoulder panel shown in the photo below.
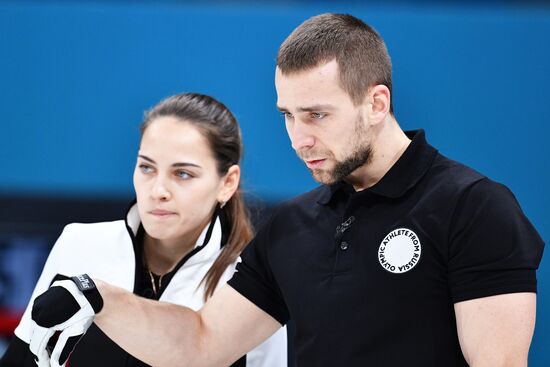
(102, 250)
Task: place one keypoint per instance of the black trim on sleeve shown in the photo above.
(17, 355)
(482, 293)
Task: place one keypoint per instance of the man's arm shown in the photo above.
(496, 331)
(163, 334)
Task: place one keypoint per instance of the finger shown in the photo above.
(38, 343)
(65, 344)
(70, 344)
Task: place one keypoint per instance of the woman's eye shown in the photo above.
(183, 174)
(145, 168)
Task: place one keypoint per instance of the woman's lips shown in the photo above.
(161, 212)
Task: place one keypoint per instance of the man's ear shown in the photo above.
(378, 101)
(229, 184)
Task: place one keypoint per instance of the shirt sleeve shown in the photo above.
(254, 278)
(494, 249)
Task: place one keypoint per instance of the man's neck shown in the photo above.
(389, 143)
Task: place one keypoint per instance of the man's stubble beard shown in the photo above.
(361, 154)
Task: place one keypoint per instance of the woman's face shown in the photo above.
(176, 180)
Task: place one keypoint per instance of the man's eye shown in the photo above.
(317, 115)
(145, 168)
(287, 115)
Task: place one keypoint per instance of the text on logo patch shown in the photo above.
(399, 251)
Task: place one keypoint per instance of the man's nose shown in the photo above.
(300, 136)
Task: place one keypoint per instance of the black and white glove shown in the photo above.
(66, 310)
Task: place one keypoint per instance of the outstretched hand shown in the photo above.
(61, 316)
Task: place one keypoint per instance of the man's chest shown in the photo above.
(366, 258)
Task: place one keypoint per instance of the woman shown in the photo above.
(180, 240)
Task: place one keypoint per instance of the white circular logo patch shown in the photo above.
(399, 251)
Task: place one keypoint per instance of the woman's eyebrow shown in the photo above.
(178, 164)
(185, 164)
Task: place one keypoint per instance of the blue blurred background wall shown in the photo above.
(75, 78)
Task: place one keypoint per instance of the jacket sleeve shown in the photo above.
(51, 267)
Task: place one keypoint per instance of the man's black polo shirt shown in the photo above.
(370, 277)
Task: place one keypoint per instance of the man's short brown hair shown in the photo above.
(360, 52)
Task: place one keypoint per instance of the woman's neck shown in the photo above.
(162, 256)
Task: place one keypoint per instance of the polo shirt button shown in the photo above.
(344, 245)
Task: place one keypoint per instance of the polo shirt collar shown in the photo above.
(403, 175)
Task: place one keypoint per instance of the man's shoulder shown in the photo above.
(459, 180)
(453, 174)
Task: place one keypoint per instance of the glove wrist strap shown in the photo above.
(87, 286)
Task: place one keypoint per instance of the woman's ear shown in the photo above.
(229, 184)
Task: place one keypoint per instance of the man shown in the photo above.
(401, 257)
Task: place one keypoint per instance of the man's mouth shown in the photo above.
(314, 163)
